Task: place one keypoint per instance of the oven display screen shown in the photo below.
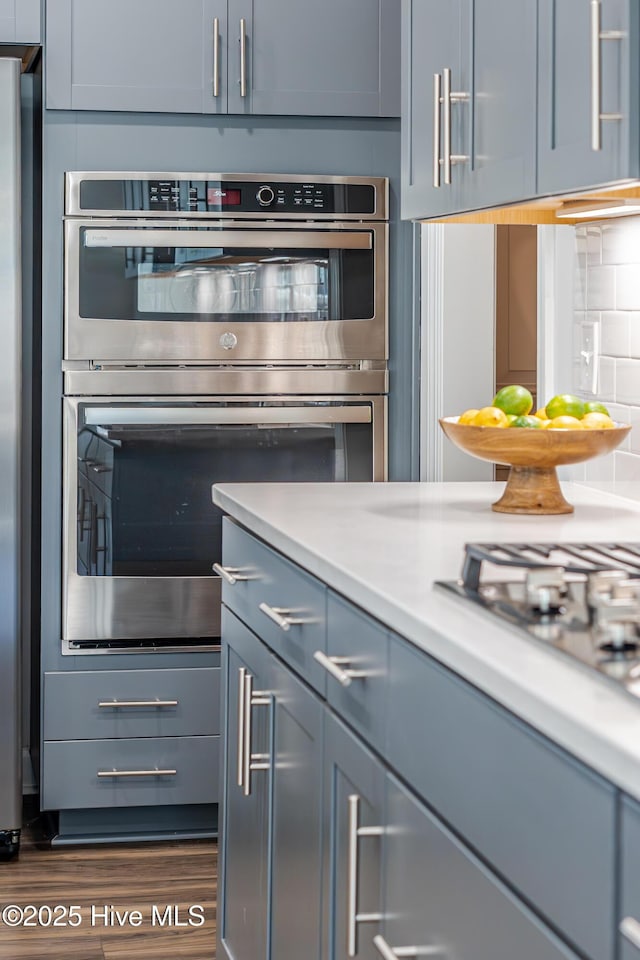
(222, 197)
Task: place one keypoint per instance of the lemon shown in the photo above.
(541, 414)
(490, 417)
(597, 421)
(594, 406)
(528, 422)
(564, 423)
(565, 405)
(514, 399)
(467, 416)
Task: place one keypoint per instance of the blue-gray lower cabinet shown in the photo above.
(629, 914)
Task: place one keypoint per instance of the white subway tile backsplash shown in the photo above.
(621, 241)
(606, 383)
(627, 286)
(594, 243)
(601, 287)
(627, 466)
(627, 381)
(633, 440)
(614, 334)
(634, 336)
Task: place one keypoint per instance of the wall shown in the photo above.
(606, 336)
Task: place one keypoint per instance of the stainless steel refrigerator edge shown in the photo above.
(10, 445)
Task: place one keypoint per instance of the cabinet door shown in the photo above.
(353, 824)
(151, 55)
(327, 59)
(569, 94)
(296, 848)
(430, 45)
(629, 918)
(245, 818)
(19, 21)
(438, 895)
(499, 119)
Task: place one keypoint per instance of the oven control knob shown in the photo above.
(265, 196)
(228, 340)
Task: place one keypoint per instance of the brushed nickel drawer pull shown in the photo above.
(137, 773)
(437, 95)
(106, 704)
(251, 761)
(233, 574)
(630, 930)
(394, 953)
(353, 916)
(216, 56)
(243, 57)
(334, 666)
(597, 35)
(285, 617)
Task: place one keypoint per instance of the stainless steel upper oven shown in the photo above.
(209, 268)
(140, 531)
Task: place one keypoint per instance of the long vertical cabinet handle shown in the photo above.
(216, 56)
(243, 57)
(598, 35)
(437, 94)
(241, 717)
(449, 97)
(353, 917)
(251, 761)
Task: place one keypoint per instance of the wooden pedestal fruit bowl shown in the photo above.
(533, 455)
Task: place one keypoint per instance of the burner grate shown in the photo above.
(572, 557)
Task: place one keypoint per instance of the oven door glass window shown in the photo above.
(222, 275)
(145, 471)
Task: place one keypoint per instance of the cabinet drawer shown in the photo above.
(71, 768)
(546, 822)
(364, 645)
(100, 705)
(281, 586)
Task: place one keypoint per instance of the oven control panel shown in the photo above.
(231, 196)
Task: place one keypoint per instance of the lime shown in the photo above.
(594, 406)
(530, 422)
(514, 399)
(565, 405)
(490, 417)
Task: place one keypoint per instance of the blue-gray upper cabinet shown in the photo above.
(588, 74)
(468, 104)
(312, 59)
(629, 916)
(224, 56)
(19, 21)
(151, 55)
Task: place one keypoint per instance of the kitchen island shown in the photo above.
(503, 771)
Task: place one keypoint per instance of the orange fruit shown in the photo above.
(467, 416)
(514, 399)
(597, 421)
(541, 414)
(490, 417)
(565, 405)
(564, 423)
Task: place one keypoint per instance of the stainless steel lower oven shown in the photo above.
(140, 531)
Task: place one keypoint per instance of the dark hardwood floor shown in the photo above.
(117, 877)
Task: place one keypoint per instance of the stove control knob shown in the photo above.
(545, 589)
(605, 584)
(265, 196)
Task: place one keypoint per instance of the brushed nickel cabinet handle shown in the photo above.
(394, 953)
(353, 917)
(251, 761)
(216, 56)
(437, 94)
(597, 36)
(285, 617)
(130, 704)
(232, 574)
(630, 930)
(137, 773)
(449, 97)
(241, 718)
(243, 57)
(335, 665)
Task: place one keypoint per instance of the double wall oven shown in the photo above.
(217, 327)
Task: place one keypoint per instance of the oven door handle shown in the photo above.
(216, 239)
(247, 416)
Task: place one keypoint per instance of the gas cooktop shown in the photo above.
(581, 598)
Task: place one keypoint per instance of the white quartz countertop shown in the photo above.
(383, 546)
